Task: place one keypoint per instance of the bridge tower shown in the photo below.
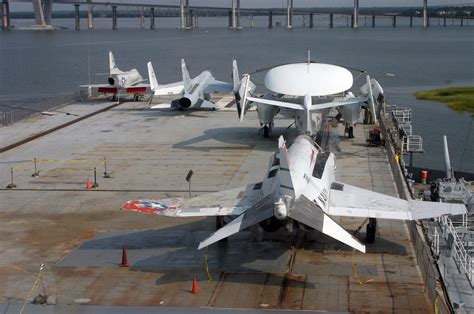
(289, 14)
(43, 11)
(425, 13)
(5, 15)
(355, 19)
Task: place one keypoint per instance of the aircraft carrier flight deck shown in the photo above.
(79, 233)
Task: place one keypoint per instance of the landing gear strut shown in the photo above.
(371, 230)
(220, 222)
(266, 131)
(349, 129)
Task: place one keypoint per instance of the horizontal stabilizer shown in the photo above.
(348, 200)
(255, 214)
(345, 102)
(308, 213)
(277, 103)
(206, 105)
(161, 106)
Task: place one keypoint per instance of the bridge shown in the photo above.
(186, 12)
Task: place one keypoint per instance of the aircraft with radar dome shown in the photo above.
(305, 89)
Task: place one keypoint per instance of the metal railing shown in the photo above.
(413, 144)
(10, 113)
(461, 257)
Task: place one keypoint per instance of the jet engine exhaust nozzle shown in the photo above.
(281, 211)
(185, 102)
(111, 81)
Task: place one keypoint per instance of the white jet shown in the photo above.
(120, 82)
(194, 93)
(306, 88)
(299, 190)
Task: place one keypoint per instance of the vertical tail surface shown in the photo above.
(112, 65)
(235, 76)
(152, 77)
(186, 77)
(286, 182)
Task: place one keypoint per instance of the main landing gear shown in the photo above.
(349, 129)
(267, 128)
(371, 230)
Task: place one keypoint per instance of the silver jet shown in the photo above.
(121, 82)
(194, 93)
(299, 190)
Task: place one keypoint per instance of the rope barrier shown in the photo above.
(206, 263)
(39, 278)
(354, 272)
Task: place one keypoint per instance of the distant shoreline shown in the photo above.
(457, 98)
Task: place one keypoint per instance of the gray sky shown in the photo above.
(272, 3)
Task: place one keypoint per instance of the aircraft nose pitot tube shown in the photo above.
(281, 210)
(111, 81)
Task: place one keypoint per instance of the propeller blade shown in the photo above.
(371, 98)
(244, 98)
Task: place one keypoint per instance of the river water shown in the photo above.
(37, 65)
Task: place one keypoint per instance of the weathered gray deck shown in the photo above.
(79, 234)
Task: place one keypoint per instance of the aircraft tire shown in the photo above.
(266, 131)
(371, 230)
(351, 131)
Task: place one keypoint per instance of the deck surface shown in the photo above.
(79, 233)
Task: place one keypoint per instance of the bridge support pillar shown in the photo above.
(114, 17)
(190, 18)
(233, 21)
(152, 18)
(90, 18)
(235, 14)
(311, 24)
(184, 14)
(188, 14)
(411, 21)
(289, 14)
(462, 22)
(5, 15)
(142, 19)
(181, 15)
(444, 21)
(355, 17)
(425, 13)
(39, 13)
(196, 21)
(373, 21)
(238, 14)
(394, 21)
(270, 19)
(331, 20)
(77, 17)
(48, 11)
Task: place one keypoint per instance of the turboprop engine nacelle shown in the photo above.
(188, 100)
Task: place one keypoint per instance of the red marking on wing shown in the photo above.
(107, 90)
(136, 90)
